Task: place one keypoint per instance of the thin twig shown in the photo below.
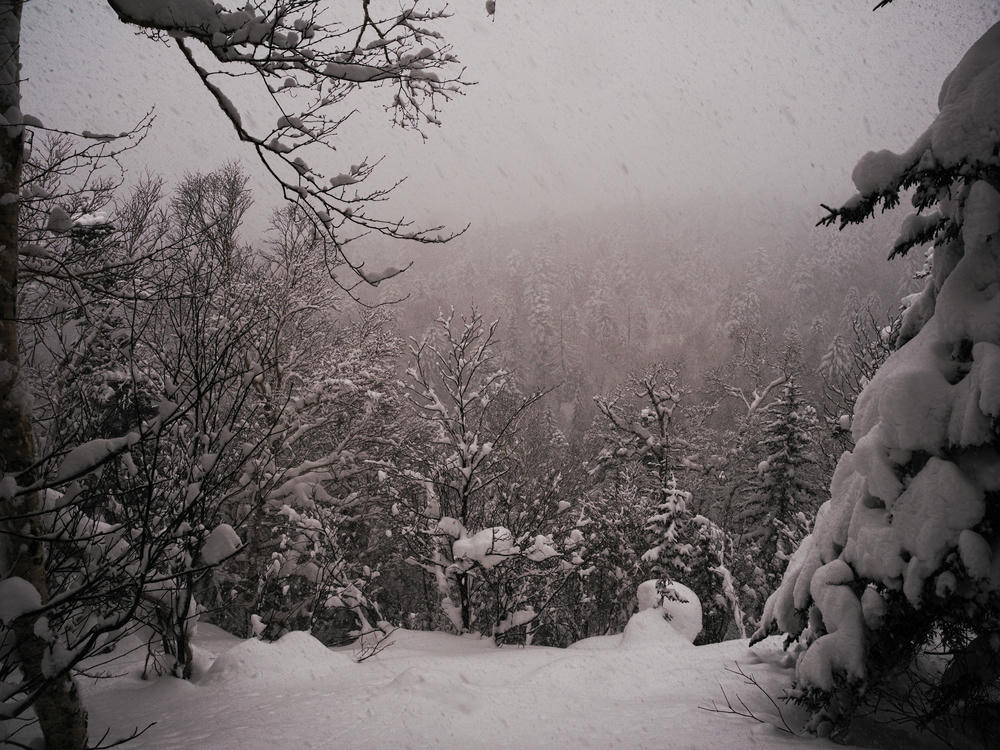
(743, 709)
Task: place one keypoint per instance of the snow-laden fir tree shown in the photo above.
(847, 366)
(693, 550)
(905, 556)
(672, 555)
(600, 321)
(543, 336)
(671, 551)
(785, 491)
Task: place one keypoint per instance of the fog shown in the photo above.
(706, 107)
(611, 160)
(632, 379)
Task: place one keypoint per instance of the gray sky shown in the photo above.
(579, 107)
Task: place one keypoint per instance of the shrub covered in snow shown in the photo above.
(309, 561)
(679, 604)
(907, 550)
(611, 540)
(477, 515)
(692, 547)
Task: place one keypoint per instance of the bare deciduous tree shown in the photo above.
(308, 65)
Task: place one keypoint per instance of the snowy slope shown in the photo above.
(643, 689)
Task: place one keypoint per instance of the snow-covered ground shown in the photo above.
(645, 688)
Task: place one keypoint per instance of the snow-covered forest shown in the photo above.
(294, 456)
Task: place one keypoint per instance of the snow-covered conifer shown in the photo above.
(784, 492)
(611, 534)
(642, 432)
(665, 530)
(900, 556)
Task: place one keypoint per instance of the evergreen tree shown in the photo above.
(542, 356)
(611, 537)
(691, 549)
(602, 326)
(671, 551)
(900, 562)
(680, 544)
(786, 488)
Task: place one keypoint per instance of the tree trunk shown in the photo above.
(465, 599)
(60, 712)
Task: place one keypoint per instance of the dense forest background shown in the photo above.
(508, 437)
(583, 300)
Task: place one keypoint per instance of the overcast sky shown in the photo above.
(580, 106)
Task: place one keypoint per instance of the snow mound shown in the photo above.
(650, 628)
(684, 612)
(440, 643)
(670, 622)
(296, 654)
(598, 643)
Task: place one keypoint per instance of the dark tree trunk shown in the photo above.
(465, 600)
(60, 712)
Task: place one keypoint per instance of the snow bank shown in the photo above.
(434, 690)
(650, 628)
(295, 655)
(598, 643)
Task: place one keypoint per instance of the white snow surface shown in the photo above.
(640, 689)
(295, 655)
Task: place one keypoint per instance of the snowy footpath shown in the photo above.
(641, 689)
